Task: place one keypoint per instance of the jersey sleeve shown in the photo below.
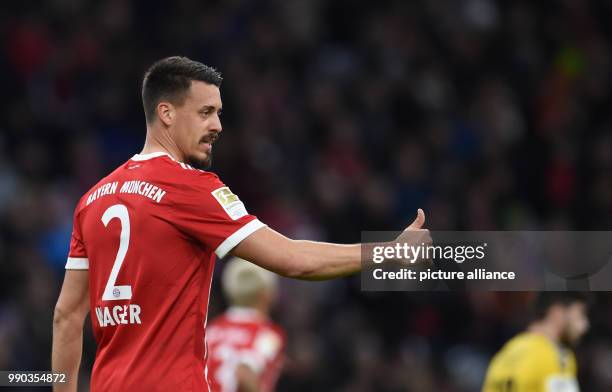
(208, 211)
(77, 254)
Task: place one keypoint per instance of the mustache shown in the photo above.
(211, 138)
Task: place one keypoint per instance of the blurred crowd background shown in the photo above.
(339, 116)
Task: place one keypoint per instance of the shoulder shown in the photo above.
(534, 344)
(203, 190)
(187, 186)
(268, 326)
(277, 329)
(270, 340)
(540, 344)
(540, 355)
(195, 176)
(170, 171)
(189, 179)
(524, 350)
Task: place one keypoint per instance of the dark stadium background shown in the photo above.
(339, 116)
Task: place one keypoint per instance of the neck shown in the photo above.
(247, 311)
(159, 140)
(262, 307)
(259, 307)
(546, 329)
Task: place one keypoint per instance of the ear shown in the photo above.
(556, 312)
(166, 113)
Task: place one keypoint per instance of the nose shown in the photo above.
(216, 124)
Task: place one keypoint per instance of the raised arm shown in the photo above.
(68, 319)
(310, 260)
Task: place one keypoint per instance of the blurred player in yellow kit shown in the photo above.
(541, 358)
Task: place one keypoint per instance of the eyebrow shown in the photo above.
(209, 107)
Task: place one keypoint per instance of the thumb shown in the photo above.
(418, 222)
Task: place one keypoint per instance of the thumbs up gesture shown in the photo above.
(418, 222)
(416, 235)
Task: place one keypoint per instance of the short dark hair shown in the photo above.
(546, 299)
(170, 79)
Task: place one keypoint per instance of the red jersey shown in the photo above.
(148, 233)
(243, 336)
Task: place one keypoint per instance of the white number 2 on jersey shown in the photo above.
(112, 292)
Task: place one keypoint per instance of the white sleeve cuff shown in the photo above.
(239, 235)
(77, 263)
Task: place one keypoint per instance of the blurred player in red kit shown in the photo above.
(245, 346)
(144, 242)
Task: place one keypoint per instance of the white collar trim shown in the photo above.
(144, 157)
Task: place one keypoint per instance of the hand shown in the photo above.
(415, 235)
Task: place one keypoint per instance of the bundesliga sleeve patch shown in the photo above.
(230, 203)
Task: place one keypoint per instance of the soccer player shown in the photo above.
(144, 242)
(541, 359)
(246, 347)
